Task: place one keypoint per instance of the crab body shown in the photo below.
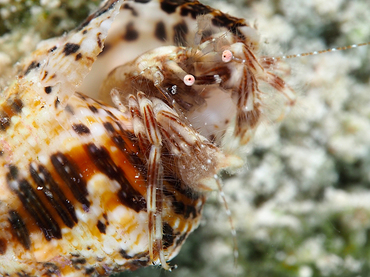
(223, 67)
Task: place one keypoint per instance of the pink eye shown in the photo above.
(189, 80)
(227, 56)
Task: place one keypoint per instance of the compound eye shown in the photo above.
(189, 80)
(227, 55)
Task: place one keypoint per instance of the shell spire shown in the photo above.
(58, 70)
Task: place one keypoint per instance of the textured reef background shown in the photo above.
(301, 205)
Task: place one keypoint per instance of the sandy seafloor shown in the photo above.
(301, 205)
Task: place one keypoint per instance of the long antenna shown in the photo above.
(321, 51)
(231, 222)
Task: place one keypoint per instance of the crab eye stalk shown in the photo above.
(189, 80)
(227, 55)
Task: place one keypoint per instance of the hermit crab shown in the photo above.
(98, 185)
